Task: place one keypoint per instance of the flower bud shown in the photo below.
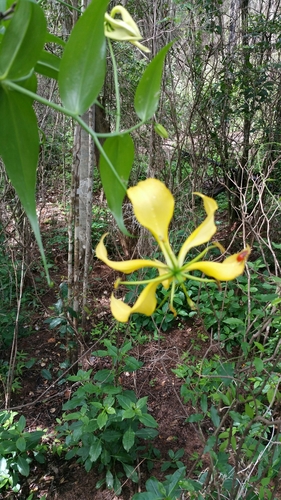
(160, 130)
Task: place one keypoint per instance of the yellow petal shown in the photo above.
(124, 29)
(127, 19)
(229, 269)
(119, 309)
(124, 266)
(145, 304)
(119, 30)
(140, 46)
(202, 233)
(153, 205)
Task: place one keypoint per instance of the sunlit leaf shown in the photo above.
(22, 465)
(82, 69)
(120, 151)
(148, 90)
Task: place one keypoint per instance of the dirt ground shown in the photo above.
(41, 400)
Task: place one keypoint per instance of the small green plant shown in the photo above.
(17, 450)
(104, 424)
(171, 489)
(174, 462)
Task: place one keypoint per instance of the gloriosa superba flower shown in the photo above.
(124, 29)
(153, 206)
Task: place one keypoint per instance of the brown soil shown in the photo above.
(41, 400)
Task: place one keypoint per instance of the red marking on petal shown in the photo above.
(242, 255)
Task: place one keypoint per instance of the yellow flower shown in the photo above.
(123, 30)
(153, 206)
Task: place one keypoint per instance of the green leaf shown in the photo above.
(131, 472)
(148, 420)
(204, 403)
(128, 439)
(21, 444)
(21, 423)
(120, 152)
(102, 419)
(83, 63)
(146, 433)
(258, 362)
(125, 402)
(173, 483)
(95, 450)
(23, 41)
(197, 417)
(214, 416)
(19, 148)
(146, 496)
(109, 480)
(48, 65)
(233, 321)
(50, 38)
(148, 89)
(46, 374)
(23, 466)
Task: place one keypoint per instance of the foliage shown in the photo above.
(17, 450)
(104, 423)
(229, 315)
(170, 489)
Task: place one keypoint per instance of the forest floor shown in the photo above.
(40, 400)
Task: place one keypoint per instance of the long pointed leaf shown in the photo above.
(19, 146)
(82, 69)
(148, 89)
(23, 41)
(120, 151)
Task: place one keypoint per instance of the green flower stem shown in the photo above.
(194, 278)
(158, 279)
(190, 302)
(199, 257)
(116, 85)
(169, 255)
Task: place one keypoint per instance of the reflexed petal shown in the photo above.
(153, 205)
(204, 232)
(125, 266)
(229, 269)
(145, 304)
(119, 309)
(140, 46)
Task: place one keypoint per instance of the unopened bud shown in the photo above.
(160, 130)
